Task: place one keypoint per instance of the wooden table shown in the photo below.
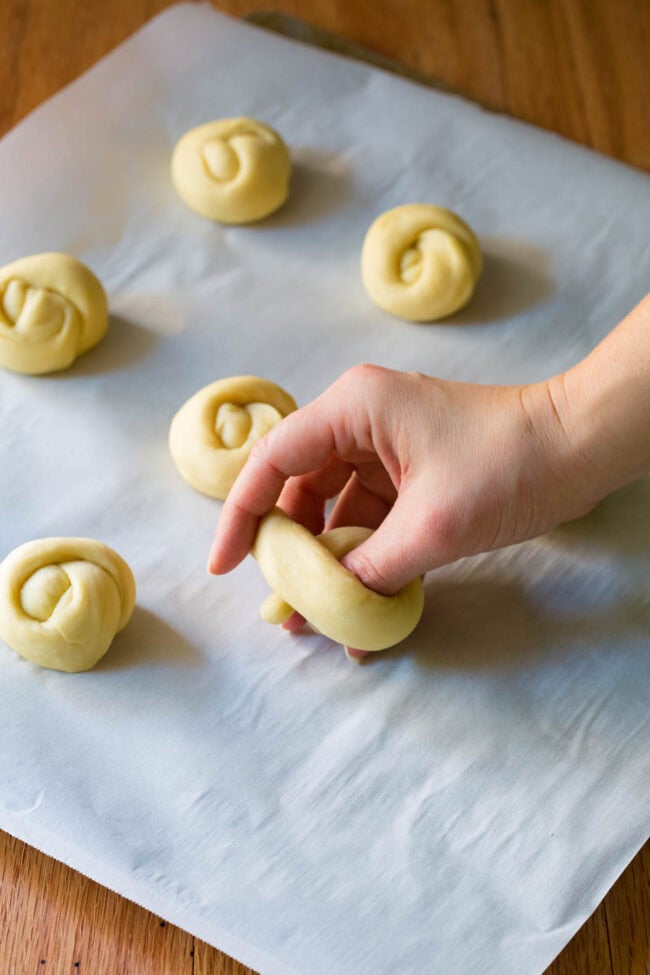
(578, 67)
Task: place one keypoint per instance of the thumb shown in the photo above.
(406, 544)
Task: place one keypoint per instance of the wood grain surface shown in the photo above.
(577, 67)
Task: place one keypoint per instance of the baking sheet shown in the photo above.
(460, 804)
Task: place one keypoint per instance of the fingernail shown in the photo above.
(355, 656)
(294, 623)
(212, 559)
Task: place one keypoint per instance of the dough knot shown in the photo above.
(420, 262)
(233, 170)
(212, 435)
(306, 576)
(62, 600)
(52, 309)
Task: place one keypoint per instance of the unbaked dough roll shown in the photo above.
(420, 262)
(235, 170)
(62, 600)
(306, 575)
(211, 436)
(52, 308)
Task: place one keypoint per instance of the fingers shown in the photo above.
(294, 624)
(337, 422)
(301, 443)
(355, 656)
(235, 533)
(360, 506)
(303, 498)
(406, 544)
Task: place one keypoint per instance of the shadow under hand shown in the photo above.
(515, 278)
(491, 624)
(475, 624)
(320, 183)
(123, 344)
(147, 640)
(620, 523)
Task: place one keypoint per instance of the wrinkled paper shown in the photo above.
(458, 805)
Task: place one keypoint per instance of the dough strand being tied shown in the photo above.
(306, 576)
(420, 262)
(234, 170)
(62, 600)
(212, 435)
(52, 309)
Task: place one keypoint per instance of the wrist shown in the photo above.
(561, 463)
(604, 422)
(596, 413)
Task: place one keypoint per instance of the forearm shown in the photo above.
(603, 405)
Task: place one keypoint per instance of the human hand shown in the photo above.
(440, 469)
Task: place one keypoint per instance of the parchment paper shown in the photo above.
(459, 805)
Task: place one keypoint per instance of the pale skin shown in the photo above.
(444, 469)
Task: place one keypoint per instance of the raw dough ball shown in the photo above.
(62, 600)
(420, 262)
(235, 170)
(52, 308)
(306, 575)
(212, 434)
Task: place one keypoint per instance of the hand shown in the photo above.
(440, 469)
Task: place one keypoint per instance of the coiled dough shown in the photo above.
(235, 170)
(211, 436)
(52, 308)
(62, 600)
(420, 262)
(306, 575)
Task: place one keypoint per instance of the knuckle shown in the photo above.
(363, 373)
(419, 377)
(261, 449)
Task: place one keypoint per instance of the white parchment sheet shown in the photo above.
(458, 806)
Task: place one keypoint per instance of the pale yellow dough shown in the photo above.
(62, 600)
(420, 262)
(52, 308)
(306, 576)
(211, 436)
(235, 170)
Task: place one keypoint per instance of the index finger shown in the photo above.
(302, 442)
